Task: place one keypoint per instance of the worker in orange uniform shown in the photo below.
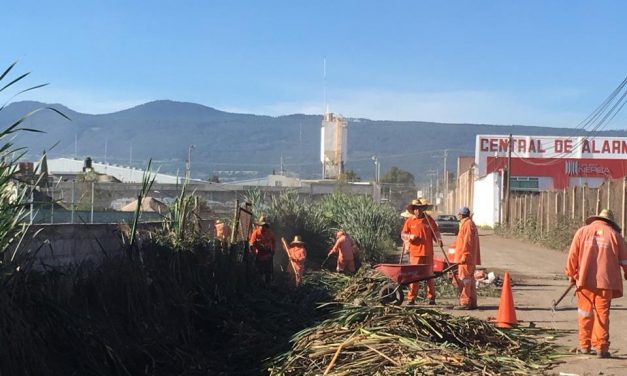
(297, 254)
(262, 245)
(596, 256)
(420, 231)
(467, 256)
(222, 231)
(406, 214)
(344, 247)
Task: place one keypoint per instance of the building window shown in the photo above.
(524, 184)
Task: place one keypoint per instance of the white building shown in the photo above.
(541, 163)
(125, 174)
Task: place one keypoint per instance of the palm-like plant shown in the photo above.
(12, 196)
(182, 219)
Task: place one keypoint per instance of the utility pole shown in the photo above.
(509, 179)
(437, 187)
(189, 161)
(377, 168)
(446, 208)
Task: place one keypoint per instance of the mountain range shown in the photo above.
(236, 146)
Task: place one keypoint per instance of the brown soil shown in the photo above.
(538, 279)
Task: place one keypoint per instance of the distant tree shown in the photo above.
(396, 175)
(213, 179)
(350, 175)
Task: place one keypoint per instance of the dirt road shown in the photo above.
(538, 279)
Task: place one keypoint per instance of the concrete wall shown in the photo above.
(464, 163)
(464, 193)
(486, 200)
(63, 244)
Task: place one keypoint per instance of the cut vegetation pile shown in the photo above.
(377, 340)
(361, 337)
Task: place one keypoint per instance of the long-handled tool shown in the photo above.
(400, 261)
(325, 261)
(556, 302)
(289, 258)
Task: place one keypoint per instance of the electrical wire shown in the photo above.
(598, 119)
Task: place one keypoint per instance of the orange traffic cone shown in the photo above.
(506, 317)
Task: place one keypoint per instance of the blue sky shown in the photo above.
(499, 62)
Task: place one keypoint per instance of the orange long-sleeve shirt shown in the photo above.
(423, 230)
(596, 256)
(298, 254)
(262, 243)
(344, 247)
(467, 243)
(223, 231)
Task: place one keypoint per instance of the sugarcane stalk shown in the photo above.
(348, 342)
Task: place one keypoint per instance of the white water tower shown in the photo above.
(333, 145)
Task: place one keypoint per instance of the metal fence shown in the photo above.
(46, 215)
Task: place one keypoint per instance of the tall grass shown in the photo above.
(557, 237)
(148, 179)
(374, 226)
(180, 222)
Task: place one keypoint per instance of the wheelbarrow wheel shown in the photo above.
(391, 294)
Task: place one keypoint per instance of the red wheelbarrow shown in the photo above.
(404, 274)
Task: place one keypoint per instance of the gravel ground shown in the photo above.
(538, 278)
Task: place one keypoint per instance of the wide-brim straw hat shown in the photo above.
(262, 221)
(605, 215)
(297, 240)
(420, 203)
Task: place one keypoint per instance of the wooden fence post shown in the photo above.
(525, 211)
(541, 212)
(548, 212)
(609, 193)
(573, 201)
(583, 202)
(597, 208)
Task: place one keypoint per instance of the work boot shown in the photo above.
(604, 354)
(462, 308)
(411, 302)
(584, 350)
(432, 302)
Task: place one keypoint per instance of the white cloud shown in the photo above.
(447, 107)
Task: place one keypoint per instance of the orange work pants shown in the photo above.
(345, 266)
(467, 285)
(296, 270)
(414, 288)
(593, 311)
